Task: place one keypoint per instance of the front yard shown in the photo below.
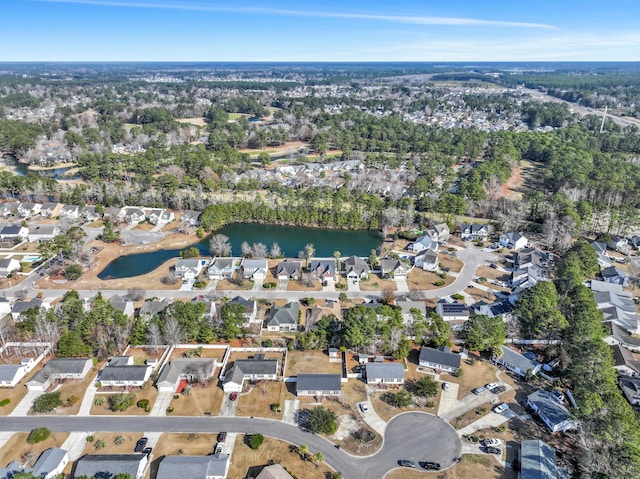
(112, 442)
(257, 402)
(17, 448)
(199, 401)
(100, 404)
(471, 465)
(420, 280)
(375, 283)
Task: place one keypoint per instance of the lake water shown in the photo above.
(22, 169)
(291, 239)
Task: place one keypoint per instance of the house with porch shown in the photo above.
(288, 269)
(255, 269)
(393, 268)
(518, 363)
(426, 260)
(423, 243)
(221, 268)
(250, 309)
(134, 215)
(8, 266)
(191, 217)
(441, 359)
(513, 240)
(160, 216)
(13, 233)
(284, 318)
(256, 368)
(474, 232)
(384, 373)
(70, 212)
(111, 465)
(356, 267)
(42, 233)
(190, 369)
(323, 269)
(28, 210)
(89, 213)
(213, 466)
(554, 415)
(12, 374)
(439, 232)
(189, 268)
(114, 214)
(323, 385)
(120, 371)
(20, 307)
(51, 209)
(59, 369)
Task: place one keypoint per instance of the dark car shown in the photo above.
(234, 396)
(494, 450)
(405, 463)
(431, 466)
(147, 450)
(142, 442)
(498, 389)
(222, 436)
(479, 390)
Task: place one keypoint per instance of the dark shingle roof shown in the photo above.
(318, 382)
(384, 370)
(108, 465)
(193, 467)
(440, 356)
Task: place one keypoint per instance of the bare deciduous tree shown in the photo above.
(154, 338)
(172, 332)
(275, 252)
(246, 249)
(219, 245)
(135, 294)
(259, 250)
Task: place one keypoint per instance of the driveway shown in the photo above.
(401, 284)
(353, 285)
(283, 284)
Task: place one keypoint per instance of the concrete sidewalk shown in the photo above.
(89, 397)
(371, 416)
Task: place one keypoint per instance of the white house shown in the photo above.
(89, 213)
(439, 359)
(513, 240)
(393, 268)
(13, 232)
(518, 363)
(284, 318)
(439, 232)
(221, 268)
(555, 416)
(134, 215)
(189, 268)
(27, 210)
(473, 232)
(191, 217)
(42, 232)
(12, 374)
(69, 212)
(453, 311)
(408, 306)
(190, 369)
(423, 243)
(121, 372)
(8, 266)
(123, 305)
(20, 307)
(214, 466)
(356, 267)
(384, 373)
(310, 385)
(49, 465)
(426, 260)
(255, 269)
(257, 368)
(110, 465)
(56, 369)
(250, 309)
(160, 216)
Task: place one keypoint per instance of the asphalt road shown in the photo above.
(415, 436)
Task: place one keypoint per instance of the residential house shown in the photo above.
(618, 243)
(538, 461)
(191, 369)
(214, 466)
(191, 217)
(49, 465)
(275, 471)
(601, 252)
(160, 216)
(323, 269)
(110, 465)
(255, 269)
(189, 268)
(392, 268)
(423, 243)
(221, 268)
(555, 416)
(114, 214)
(42, 233)
(624, 362)
(474, 232)
(334, 353)
(12, 374)
(530, 266)
(134, 215)
(123, 305)
(406, 306)
(441, 359)
(426, 260)
(284, 318)
(631, 389)
(28, 210)
(51, 210)
(121, 372)
(250, 309)
(5, 307)
(615, 275)
(309, 385)
(439, 232)
(59, 369)
(635, 242)
(9, 209)
(356, 267)
(8, 266)
(89, 213)
(518, 363)
(620, 336)
(69, 212)
(453, 311)
(288, 269)
(13, 233)
(210, 307)
(499, 308)
(384, 373)
(257, 368)
(152, 308)
(20, 307)
(513, 240)
(616, 305)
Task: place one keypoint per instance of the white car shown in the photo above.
(364, 407)
(492, 442)
(490, 385)
(500, 408)
(446, 386)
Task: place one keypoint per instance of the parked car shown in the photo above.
(498, 389)
(431, 466)
(363, 407)
(493, 442)
(490, 386)
(494, 450)
(222, 436)
(147, 451)
(218, 448)
(234, 396)
(405, 463)
(142, 442)
(446, 386)
(479, 390)
(500, 408)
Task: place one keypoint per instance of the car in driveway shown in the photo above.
(222, 436)
(363, 407)
(500, 408)
(431, 466)
(406, 463)
(147, 451)
(218, 448)
(479, 390)
(490, 386)
(140, 445)
(234, 396)
(498, 389)
(492, 442)
(446, 386)
(494, 450)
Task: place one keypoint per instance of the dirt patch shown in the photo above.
(314, 362)
(471, 465)
(257, 402)
(200, 401)
(193, 121)
(17, 448)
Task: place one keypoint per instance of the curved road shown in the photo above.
(415, 436)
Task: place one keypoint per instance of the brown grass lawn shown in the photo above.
(273, 450)
(111, 447)
(451, 262)
(144, 226)
(420, 280)
(386, 411)
(258, 400)
(225, 284)
(140, 355)
(352, 363)
(474, 376)
(17, 447)
(301, 286)
(187, 444)
(199, 401)
(310, 362)
(375, 283)
(480, 295)
(74, 388)
(490, 273)
(470, 466)
(472, 416)
(209, 353)
(149, 392)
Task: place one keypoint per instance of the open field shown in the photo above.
(201, 400)
(198, 121)
(310, 362)
(470, 466)
(17, 448)
(248, 462)
(257, 402)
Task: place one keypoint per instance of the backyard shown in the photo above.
(312, 361)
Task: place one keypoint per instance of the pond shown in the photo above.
(22, 169)
(291, 239)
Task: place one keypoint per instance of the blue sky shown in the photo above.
(325, 30)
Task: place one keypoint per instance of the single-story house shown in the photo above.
(189, 268)
(160, 216)
(624, 362)
(89, 213)
(27, 210)
(601, 252)
(426, 260)
(393, 268)
(615, 275)
(50, 210)
(513, 240)
(20, 307)
(406, 306)
(69, 212)
(150, 308)
(318, 385)
(257, 368)
(453, 311)
(255, 269)
(553, 414)
(11, 374)
(518, 363)
(618, 243)
(423, 243)
(55, 369)
(474, 232)
(384, 373)
(5, 307)
(275, 471)
(631, 389)
(13, 232)
(110, 465)
(439, 232)
(249, 308)
(9, 209)
(439, 359)
(499, 308)
(134, 215)
(214, 466)
(288, 269)
(538, 461)
(120, 372)
(284, 318)
(323, 269)
(50, 464)
(42, 232)
(221, 268)
(190, 369)
(123, 305)
(356, 267)
(191, 217)
(8, 266)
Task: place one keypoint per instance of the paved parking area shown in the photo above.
(290, 411)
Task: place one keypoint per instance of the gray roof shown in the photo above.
(454, 309)
(188, 263)
(407, 305)
(517, 360)
(135, 372)
(6, 262)
(530, 256)
(8, 371)
(171, 372)
(119, 361)
(118, 302)
(48, 461)
(193, 467)
(441, 356)
(548, 407)
(154, 307)
(60, 366)
(248, 305)
(385, 370)
(106, 466)
(291, 268)
(11, 229)
(321, 267)
(318, 382)
(248, 367)
(538, 461)
(22, 306)
(357, 265)
(221, 264)
(43, 229)
(287, 314)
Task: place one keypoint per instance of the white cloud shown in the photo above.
(412, 20)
